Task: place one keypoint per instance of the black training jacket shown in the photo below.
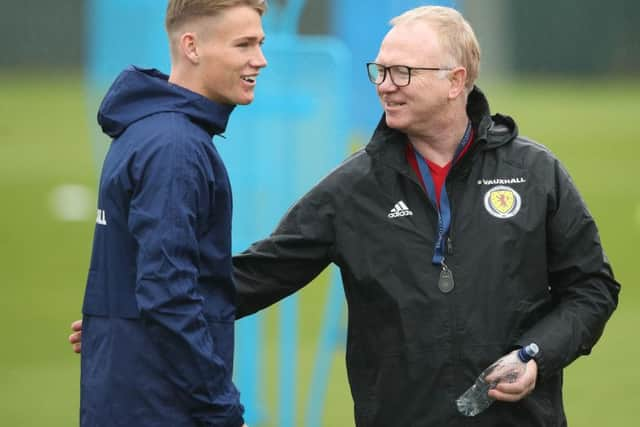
(525, 255)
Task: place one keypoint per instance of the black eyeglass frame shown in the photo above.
(409, 70)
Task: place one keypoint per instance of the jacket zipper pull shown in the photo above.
(445, 281)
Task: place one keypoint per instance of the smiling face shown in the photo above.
(230, 55)
(220, 56)
(413, 109)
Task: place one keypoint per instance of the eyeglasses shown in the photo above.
(400, 75)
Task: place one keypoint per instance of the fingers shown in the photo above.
(76, 337)
(513, 392)
(76, 341)
(76, 326)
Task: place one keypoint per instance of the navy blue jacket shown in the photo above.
(157, 344)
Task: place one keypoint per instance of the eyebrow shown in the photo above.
(250, 39)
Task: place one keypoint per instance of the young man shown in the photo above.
(458, 241)
(158, 310)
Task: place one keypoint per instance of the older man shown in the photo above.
(458, 241)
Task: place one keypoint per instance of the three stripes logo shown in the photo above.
(400, 209)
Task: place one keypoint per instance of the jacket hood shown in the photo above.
(138, 93)
(495, 130)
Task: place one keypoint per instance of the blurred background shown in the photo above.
(568, 72)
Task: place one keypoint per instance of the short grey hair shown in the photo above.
(455, 33)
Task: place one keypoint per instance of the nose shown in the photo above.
(387, 85)
(259, 60)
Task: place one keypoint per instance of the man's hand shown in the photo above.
(515, 391)
(76, 336)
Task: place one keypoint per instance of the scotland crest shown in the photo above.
(502, 201)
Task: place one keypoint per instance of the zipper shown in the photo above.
(455, 173)
(449, 248)
(411, 177)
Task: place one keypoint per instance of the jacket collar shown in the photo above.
(490, 132)
(138, 93)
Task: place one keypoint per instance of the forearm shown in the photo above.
(275, 268)
(583, 289)
(574, 325)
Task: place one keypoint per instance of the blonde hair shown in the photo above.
(181, 11)
(455, 35)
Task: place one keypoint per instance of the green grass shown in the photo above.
(44, 142)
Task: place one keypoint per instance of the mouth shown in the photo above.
(391, 104)
(250, 79)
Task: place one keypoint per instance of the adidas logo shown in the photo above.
(400, 209)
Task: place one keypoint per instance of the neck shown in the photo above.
(180, 77)
(439, 145)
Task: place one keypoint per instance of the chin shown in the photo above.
(244, 99)
(394, 123)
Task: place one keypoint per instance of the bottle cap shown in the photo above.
(532, 349)
(529, 352)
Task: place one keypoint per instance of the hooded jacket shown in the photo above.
(157, 344)
(524, 252)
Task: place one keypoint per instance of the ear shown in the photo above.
(188, 44)
(457, 78)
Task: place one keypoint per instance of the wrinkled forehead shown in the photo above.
(414, 44)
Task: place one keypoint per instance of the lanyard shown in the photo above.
(444, 210)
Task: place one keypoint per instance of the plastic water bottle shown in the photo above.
(508, 368)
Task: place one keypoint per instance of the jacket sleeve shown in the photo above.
(291, 257)
(581, 282)
(170, 185)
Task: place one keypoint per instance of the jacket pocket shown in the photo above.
(361, 371)
(103, 298)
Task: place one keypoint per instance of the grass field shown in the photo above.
(44, 144)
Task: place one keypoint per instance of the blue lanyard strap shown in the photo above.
(444, 210)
